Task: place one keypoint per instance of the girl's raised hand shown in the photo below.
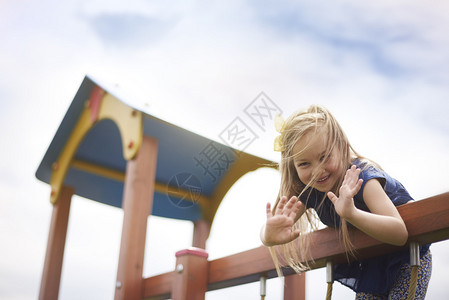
(279, 226)
(344, 204)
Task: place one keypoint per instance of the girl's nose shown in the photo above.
(317, 171)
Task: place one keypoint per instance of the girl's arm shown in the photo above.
(383, 222)
(279, 226)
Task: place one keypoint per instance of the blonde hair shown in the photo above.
(316, 119)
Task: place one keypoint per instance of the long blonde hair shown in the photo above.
(316, 119)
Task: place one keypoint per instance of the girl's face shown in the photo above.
(310, 161)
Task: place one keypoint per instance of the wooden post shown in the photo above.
(137, 205)
(201, 231)
(190, 278)
(51, 275)
(295, 287)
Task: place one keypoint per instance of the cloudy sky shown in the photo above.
(381, 67)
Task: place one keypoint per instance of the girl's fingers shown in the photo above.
(287, 208)
(294, 210)
(356, 174)
(332, 197)
(356, 183)
(358, 186)
(280, 207)
(290, 205)
(269, 213)
(351, 176)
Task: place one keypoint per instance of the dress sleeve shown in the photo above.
(393, 188)
(369, 173)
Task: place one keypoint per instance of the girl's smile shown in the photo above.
(323, 180)
(312, 164)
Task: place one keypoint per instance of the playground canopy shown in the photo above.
(100, 133)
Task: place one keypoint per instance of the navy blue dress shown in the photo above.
(374, 275)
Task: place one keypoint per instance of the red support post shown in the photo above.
(295, 287)
(190, 277)
(137, 205)
(51, 275)
(201, 231)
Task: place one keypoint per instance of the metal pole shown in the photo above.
(329, 272)
(263, 286)
(414, 254)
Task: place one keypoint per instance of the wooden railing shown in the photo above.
(427, 221)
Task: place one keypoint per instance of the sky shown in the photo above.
(381, 67)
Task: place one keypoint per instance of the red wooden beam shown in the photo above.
(137, 205)
(51, 275)
(201, 231)
(295, 287)
(240, 268)
(190, 278)
(159, 285)
(427, 220)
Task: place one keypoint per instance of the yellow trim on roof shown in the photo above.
(120, 176)
(98, 170)
(61, 166)
(128, 120)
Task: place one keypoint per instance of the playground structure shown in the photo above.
(110, 152)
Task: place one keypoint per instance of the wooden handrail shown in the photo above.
(159, 286)
(427, 221)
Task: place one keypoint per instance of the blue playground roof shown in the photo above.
(186, 160)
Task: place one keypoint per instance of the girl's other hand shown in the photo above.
(279, 226)
(344, 204)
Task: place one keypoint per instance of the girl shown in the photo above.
(321, 174)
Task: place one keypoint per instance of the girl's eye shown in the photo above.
(324, 158)
(304, 164)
